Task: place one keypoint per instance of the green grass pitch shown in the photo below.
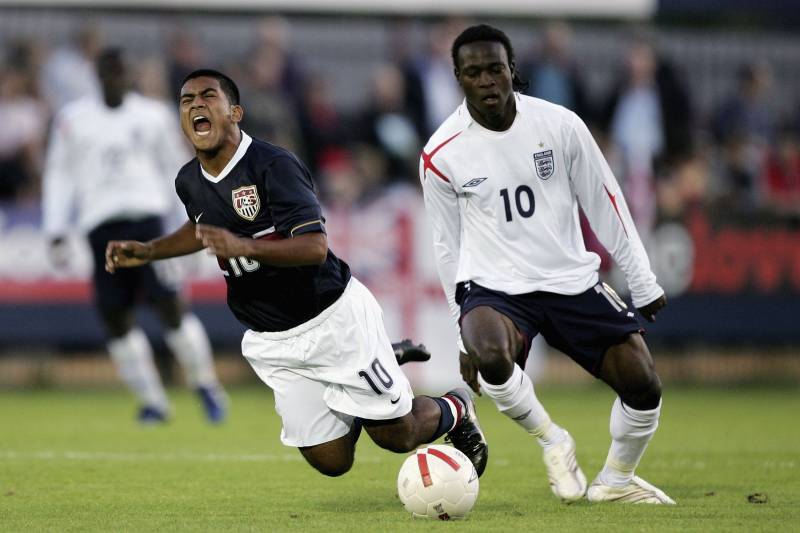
(76, 461)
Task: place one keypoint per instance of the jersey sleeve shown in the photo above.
(59, 183)
(441, 205)
(291, 198)
(605, 207)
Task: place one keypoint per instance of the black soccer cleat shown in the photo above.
(406, 351)
(467, 437)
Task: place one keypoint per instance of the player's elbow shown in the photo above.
(317, 249)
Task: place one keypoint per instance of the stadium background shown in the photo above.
(341, 83)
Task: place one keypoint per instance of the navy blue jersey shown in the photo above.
(265, 192)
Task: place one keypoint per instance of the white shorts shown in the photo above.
(338, 365)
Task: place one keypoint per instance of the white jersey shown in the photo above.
(503, 205)
(111, 163)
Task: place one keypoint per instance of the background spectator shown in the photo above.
(68, 72)
(647, 119)
(552, 73)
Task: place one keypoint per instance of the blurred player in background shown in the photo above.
(502, 179)
(111, 160)
(316, 335)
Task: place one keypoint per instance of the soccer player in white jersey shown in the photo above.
(503, 179)
(111, 160)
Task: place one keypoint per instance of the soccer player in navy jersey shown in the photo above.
(316, 334)
(503, 179)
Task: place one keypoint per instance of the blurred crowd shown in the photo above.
(737, 159)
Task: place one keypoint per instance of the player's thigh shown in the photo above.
(496, 328)
(491, 337)
(114, 294)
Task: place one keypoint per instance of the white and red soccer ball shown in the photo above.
(438, 482)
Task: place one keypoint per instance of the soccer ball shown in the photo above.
(438, 482)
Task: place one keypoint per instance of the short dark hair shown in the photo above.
(226, 84)
(484, 32)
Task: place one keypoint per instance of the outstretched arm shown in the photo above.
(126, 254)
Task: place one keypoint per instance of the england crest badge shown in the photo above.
(246, 202)
(544, 164)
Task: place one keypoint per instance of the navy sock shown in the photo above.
(446, 422)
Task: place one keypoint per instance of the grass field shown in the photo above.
(75, 461)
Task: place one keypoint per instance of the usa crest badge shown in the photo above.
(246, 202)
(544, 164)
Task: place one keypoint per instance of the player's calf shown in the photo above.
(426, 422)
(430, 418)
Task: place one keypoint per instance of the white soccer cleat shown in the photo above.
(637, 491)
(566, 478)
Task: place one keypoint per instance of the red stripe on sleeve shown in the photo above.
(613, 199)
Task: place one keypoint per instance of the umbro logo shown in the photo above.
(474, 182)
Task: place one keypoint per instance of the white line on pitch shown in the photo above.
(49, 455)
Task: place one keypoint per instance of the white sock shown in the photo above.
(516, 399)
(191, 347)
(133, 358)
(631, 430)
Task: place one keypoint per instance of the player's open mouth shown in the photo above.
(492, 99)
(201, 124)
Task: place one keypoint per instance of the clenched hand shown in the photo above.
(126, 254)
(649, 311)
(221, 242)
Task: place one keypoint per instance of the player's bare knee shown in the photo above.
(170, 311)
(117, 323)
(494, 357)
(331, 465)
(333, 469)
(643, 395)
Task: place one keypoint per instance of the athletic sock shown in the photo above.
(133, 358)
(631, 430)
(452, 411)
(191, 347)
(516, 399)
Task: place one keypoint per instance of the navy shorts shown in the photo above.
(583, 326)
(128, 286)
